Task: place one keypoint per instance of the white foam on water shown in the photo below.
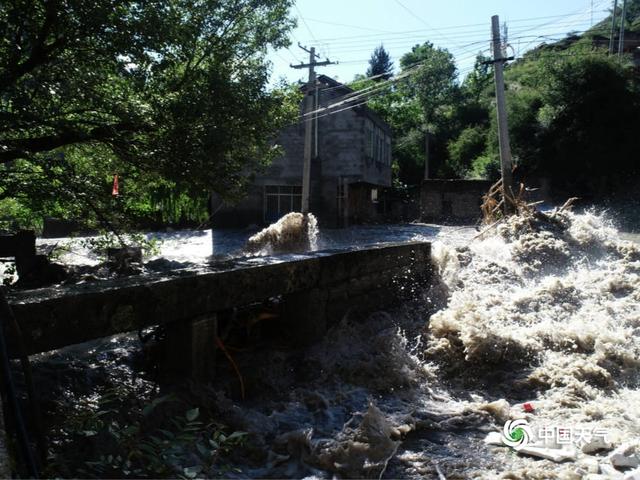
(554, 305)
(543, 310)
(294, 232)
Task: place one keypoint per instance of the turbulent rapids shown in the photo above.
(544, 310)
(548, 310)
(536, 320)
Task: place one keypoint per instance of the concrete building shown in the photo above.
(351, 164)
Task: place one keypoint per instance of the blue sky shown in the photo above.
(347, 31)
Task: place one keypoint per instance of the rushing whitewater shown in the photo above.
(294, 232)
(547, 310)
(542, 310)
(536, 320)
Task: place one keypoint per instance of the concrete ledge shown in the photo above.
(52, 318)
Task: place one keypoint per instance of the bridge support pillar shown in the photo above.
(191, 349)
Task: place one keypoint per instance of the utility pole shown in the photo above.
(308, 122)
(613, 26)
(503, 128)
(621, 37)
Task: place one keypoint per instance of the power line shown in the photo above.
(425, 23)
(388, 40)
(455, 51)
(420, 31)
(361, 97)
(358, 27)
(372, 94)
(293, 55)
(376, 89)
(305, 22)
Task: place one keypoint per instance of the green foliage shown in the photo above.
(380, 64)
(425, 99)
(466, 148)
(593, 102)
(99, 245)
(170, 92)
(477, 82)
(159, 440)
(568, 114)
(485, 167)
(435, 83)
(524, 112)
(15, 216)
(569, 107)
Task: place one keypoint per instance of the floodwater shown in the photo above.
(538, 319)
(197, 246)
(538, 312)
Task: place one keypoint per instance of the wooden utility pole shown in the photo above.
(613, 26)
(503, 128)
(621, 36)
(308, 122)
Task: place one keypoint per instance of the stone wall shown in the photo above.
(452, 200)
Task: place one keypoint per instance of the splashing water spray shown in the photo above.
(293, 233)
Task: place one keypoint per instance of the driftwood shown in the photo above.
(494, 200)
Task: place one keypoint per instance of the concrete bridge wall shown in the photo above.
(317, 289)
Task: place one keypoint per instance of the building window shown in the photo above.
(369, 137)
(387, 152)
(377, 143)
(280, 200)
(374, 195)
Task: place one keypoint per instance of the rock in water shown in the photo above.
(295, 232)
(625, 456)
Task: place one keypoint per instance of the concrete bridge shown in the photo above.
(316, 289)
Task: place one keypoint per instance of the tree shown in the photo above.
(380, 64)
(469, 145)
(569, 113)
(591, 105)
(476, 82)
(427, 97)
(170, 87)
(435, 80)
(432, 84)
